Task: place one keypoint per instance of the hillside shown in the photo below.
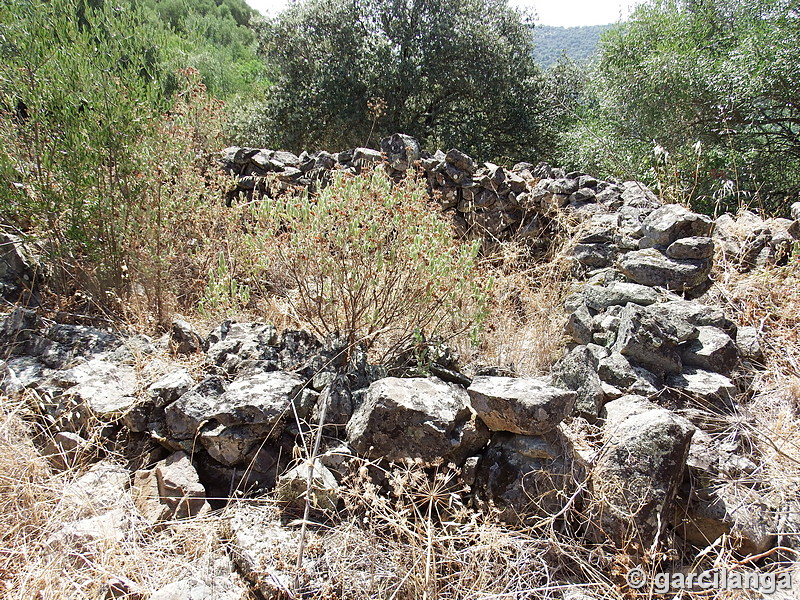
(577, 43)
(361, 303)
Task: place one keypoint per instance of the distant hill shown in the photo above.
(578, 43)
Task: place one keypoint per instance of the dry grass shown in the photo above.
(43, 554)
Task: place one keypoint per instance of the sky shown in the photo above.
(560, 13)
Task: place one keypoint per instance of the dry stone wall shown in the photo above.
(652, 369)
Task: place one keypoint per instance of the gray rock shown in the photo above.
(563, 187)
(617, 371)
(794, 211)
(262, 549)
(652, 268)
(170, 490)
(579, 325)
(366, 156)
(649, 340)
(691, 248)
(286, 158)
(600, 228)
(526, 477)
(338, 402)
(102, 390)
(63, 346)
(185, 338)
(212, 577)
(401, 151)
(687, 315)
(261, 399)
(671, 222)
(170, 387)
(86, 537)
(292, 488)
(526, 406)
(232, 422)
(712, 350)
(460, 161)
(637, 474)
(232, 445)
(637, 195)
(733, 510)
(594, 256)
(702, 386)
(748, 343)
(617, 293)
(577, 371)
(241, 341)
(416, 418)
(185, 416)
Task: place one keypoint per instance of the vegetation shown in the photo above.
(711, 87)
(110, 115)
(579, 44)
(368, 260)
(215, 38)
(452, 74)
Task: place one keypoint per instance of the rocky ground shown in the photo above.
(307, 471)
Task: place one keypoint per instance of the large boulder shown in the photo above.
(416, 418)
(637, 474)
(524, 477)
(526, 406)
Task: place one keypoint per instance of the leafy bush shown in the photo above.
(454, 73)
(98, 162)
(368, 259)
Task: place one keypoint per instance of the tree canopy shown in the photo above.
(715, 86)
(452, 73)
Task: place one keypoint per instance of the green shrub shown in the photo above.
(370, 260)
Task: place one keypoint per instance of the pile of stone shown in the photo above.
(650, 369)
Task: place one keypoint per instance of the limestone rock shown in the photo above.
(416, 418)
(170, 490)
(526, 406)
(637, 475)
(652, 268)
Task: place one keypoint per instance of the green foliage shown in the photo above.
(369, 260)
(721, 73)
(453, 73)
(578, 44)
(213, 37)
(95, 158)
